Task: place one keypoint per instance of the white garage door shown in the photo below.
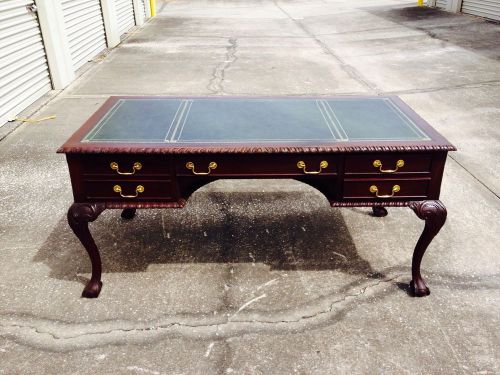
(24, 73)
(85, 29)
(125, 14)
(441, 3)
(483, 8)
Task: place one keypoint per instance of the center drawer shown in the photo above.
(256, 165)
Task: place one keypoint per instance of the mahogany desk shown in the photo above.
(154, 152)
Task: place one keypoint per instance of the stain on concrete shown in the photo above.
(473, 33)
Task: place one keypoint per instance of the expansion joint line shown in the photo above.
(351, 71)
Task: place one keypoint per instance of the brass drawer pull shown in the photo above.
(374, 189)
(322, 165)
(378, 164)
(190, 165)
(138, 189)
(136, 167)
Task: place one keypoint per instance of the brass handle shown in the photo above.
(136, 167)
(138, 189)
(378, 164)
(190, 165)
(374, 189)
(322, 165)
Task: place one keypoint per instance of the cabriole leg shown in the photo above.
(79, 216)
(128, 213)
(434, 214)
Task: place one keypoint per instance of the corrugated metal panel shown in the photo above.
(85, 28)
(441, 3)
(24, 72)
(143, 9)
(125, 14)
(483, 8)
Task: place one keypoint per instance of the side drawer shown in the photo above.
(123, 165)
(386, 189)
(388, 163)
(128, 190)
(256, 165)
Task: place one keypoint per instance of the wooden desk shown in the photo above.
(152, 152)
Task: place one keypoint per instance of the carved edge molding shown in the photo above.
(121, 205)
(422, 210)
(370, 204)
(247, 150)
(182, 203)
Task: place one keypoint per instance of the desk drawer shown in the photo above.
(388, 163)
(386, 189)
(128, 190)
(124, 166)
(257, 165)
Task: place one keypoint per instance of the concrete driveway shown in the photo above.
(263, 277)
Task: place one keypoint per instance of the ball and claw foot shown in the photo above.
(421, 290)
(379, 211)
(128, 213)
(92, 289)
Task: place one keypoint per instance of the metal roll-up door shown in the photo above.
(143, 9)
(441, 3)
(85, 29)
(125, 14)
(24, 72)
(482, 8)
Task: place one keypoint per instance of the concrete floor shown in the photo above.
(263, 277)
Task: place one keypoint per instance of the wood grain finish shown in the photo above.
(79, 216)
(434, 214)
(104, 190)
(95, 165)
(168, 183)
(128, 213)
(259, 165)
(410, 189)
(413, 163)
(379, 211)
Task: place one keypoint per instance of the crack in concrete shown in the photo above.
(48, 335)
(216, 83)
